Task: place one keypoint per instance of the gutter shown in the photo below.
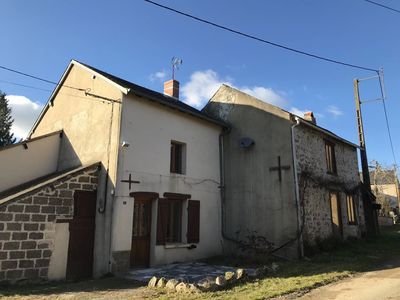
(327, 132)
(296, 182)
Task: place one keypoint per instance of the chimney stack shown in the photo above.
(309, 116)
(171, 88)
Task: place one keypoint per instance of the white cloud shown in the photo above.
(161, 75)
(298, 112)
(24, 112)
(334, 111)
(203, 84)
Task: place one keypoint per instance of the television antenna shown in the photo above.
(176, 62)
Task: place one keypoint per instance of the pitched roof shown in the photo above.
(160, 98)
(292, 116)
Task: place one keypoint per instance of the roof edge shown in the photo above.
(27, 141)
(46, 182)
(325, 131)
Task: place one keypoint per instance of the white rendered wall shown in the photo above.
(149, 128)
(19, 165)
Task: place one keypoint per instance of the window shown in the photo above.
(177, 158)
(330, 157)
(174, 222)
(169, 220)
(351, 210)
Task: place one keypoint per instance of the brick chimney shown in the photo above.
(171, 88)
(309, 116)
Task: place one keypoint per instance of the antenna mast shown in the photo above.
(175, 62)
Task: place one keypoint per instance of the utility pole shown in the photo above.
(370, 215)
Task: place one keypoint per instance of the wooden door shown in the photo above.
(81, 236)
(336, 215)
(141, 232)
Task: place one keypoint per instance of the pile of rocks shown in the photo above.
(209, 284)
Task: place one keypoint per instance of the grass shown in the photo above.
(292, 277)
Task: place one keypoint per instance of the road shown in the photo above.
(376, 285)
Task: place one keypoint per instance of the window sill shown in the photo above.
(176, 245)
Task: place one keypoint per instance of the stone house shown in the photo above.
(117, 176)
(285, 179)
(152, 198)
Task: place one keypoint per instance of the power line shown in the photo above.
(87, 92)
(260, 39)
(384, 6)
(382, 89)
(390, 135)
(39, 78)
(26, 86)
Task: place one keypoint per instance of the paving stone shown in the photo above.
(187, 272)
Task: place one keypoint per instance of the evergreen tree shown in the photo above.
(6, 137)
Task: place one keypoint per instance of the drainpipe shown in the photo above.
(225, 132)
(296, 182)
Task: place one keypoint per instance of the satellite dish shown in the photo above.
(246, 142)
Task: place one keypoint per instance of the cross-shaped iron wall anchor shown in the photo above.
(130, 181)
(279, 168)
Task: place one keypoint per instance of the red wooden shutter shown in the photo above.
(193, 230)
(162, 216)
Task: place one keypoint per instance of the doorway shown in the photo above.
(336, 215)
(141, 230)
(81, 236)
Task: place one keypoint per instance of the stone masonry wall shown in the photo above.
(316, 183)
(27, 225)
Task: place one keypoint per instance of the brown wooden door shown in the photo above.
(81, 236)
(141, 232)
(336, 215)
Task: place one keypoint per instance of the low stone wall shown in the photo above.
(27, 225)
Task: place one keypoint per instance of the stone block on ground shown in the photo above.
(193, 288)
(230, 276)
(220, 281)
(161, 283)
(207, 284)
(182, 287)
(240, 274)
(171, 284)
(152, 282)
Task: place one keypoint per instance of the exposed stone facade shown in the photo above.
(315, 184)
(27, 225)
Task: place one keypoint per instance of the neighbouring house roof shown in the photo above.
(133, 89)
(270, 108)
(33, 185)
(326, 131)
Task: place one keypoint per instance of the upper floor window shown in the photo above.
(178, 158)
(330, 157)
(351, 209)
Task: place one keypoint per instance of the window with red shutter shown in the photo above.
(193, 230)
(162, 219)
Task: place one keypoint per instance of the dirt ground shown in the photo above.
(107, 288)
(380, 284)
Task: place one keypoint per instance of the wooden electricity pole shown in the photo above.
(371, 218)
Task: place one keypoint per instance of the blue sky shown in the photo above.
(136, 41)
